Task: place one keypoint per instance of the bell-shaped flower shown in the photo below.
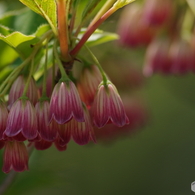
(3, 118)
(64, 133)
(158, 12)
(22, 121)
(108, 107)
(181, 57)
(65, 103)
(133, 32)
(15, 157)
(157, 57)
(42, 145)
(88, 83)
(60, 144)
(48, 131)
(17, 89)
(82, 132)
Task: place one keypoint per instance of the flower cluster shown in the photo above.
(166, 28)
(43, 102)
(169, 57)
(56, 119)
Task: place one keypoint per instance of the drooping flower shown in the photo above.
(65, 103)
(108, 106)
(181, 57)
(138, 115)
(157, 57)
(22, 121)
(15, 157)
(17, 89)
(64, 133)
(132, 29)
(42, 144)
(60, 144)
(48, 131)
(88, 84)
(3, 118)
(157, 12)
(82, 132)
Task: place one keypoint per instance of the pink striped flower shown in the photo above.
(42, 145)
(60, 144)
(65, 103)
(15, 157)
(157, 12)
(134, 32)
(48, 131)
(157, 57)
(17, 89)
(88, 84)
(22, 121)
(181, 57)
(3, 118)
(82, 132)
(64, 133)
(108, 107)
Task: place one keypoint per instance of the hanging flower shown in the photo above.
(82, 132)
(17, 89)
(22, 121)
(3, 118)
(108, 107)
(65, 103)
(88, 84)
(15, 157)
(157, 57)
(48, 131)
(134, 32)
(42, 144)
(157, 12)
(181, 57)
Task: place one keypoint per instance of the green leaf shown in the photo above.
(22, 43)
(46, 8)
(90, 7)
(22, 20)
(99, 37)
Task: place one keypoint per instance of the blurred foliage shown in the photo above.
(157, 159)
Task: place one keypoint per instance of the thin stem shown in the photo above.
(102, 11)
(63, 72)
(90, 31)
(12, 175)
(87, 15)
(8, 181)
(44, 93)
(63, 29)
(15, 72)
(191, 5)
(29, 78)
(53, 70)
(105, 79)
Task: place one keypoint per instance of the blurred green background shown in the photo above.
(158, 159)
